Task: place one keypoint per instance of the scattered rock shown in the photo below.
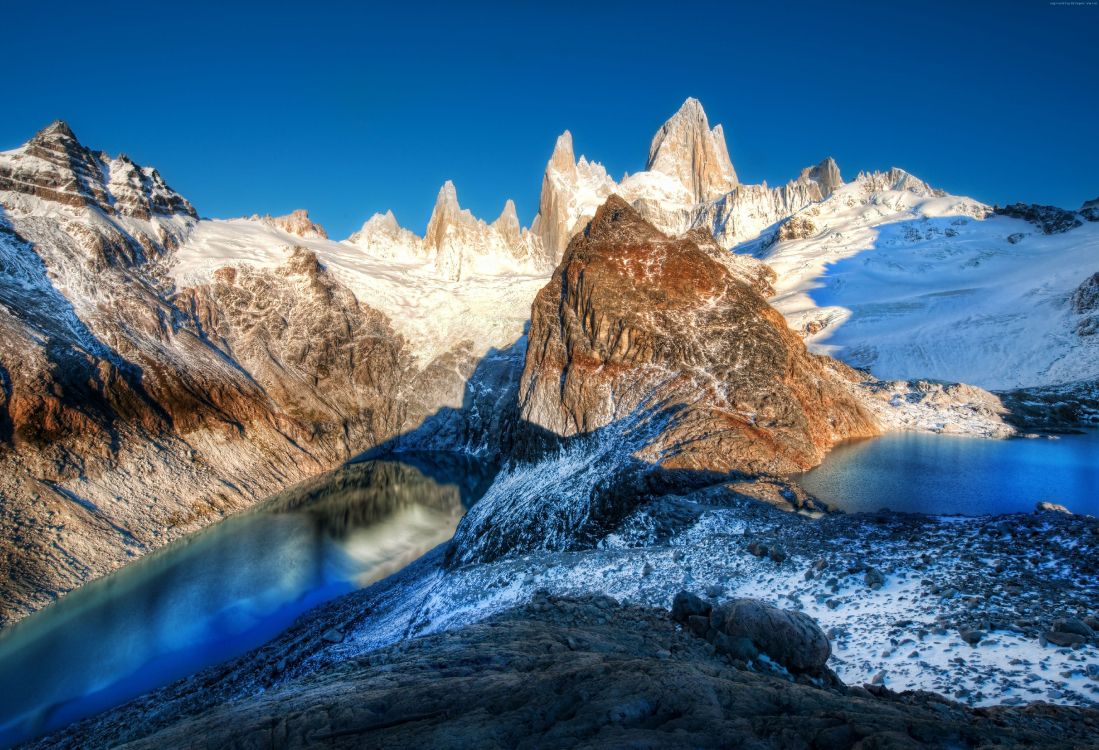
(874, 578)
(1050, 219)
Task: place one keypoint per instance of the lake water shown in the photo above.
(924, 473)
(225, 590)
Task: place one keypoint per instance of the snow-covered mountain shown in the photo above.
(689, 182)
(160, 370)
(457, 244)
(894, 276)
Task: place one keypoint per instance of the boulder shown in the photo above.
(686, 605)
(793, 639)
(972, 637)
(1073, 625)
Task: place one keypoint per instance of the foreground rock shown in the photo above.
(572, 672)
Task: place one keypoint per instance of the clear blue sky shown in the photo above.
(350, 108)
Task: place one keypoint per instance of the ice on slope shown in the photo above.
(912, 283)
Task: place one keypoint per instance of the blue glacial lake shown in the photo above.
(947, 474)
(227, 589)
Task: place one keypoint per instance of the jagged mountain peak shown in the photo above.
(687, 149)
(448, 195)
(896, 179)
(387, 221)
(563, 158)
(826, 175)
(54, 166)
(56, 130)
(509, 211)
(447, 213)
(507, 224)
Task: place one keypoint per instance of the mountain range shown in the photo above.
(161, 370)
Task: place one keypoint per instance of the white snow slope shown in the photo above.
(911, 283)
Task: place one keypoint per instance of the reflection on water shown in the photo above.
(224, 590)
(923, 473)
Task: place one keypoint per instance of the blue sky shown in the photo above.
(351, 108)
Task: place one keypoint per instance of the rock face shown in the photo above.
(634, 320)
(1085, 304)
(1085, 300)
(1050, 219)
(1090, 209)
(686, 149)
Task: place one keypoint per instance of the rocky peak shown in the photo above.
(380, 222)
(446, 218)
(571, 190)
(826, 175)
(461, 243)
(687, 149)
(896, 179)
(296, 222)
(618, 221)
(54, 166)
(385, 237)
(58, 130)
(508, 223)
(562, 159)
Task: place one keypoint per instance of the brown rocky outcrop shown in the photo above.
(633, 319)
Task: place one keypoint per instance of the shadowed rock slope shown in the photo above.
(633, 319)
